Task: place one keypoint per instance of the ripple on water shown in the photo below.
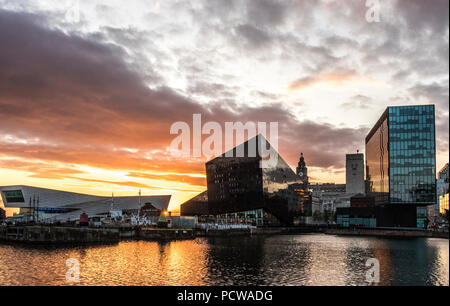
(275, 260)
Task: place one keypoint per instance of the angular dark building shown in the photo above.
(197, 206)
(243, 191)
(401, 165)
(2, 214)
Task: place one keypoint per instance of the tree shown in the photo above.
(326, 215)
(317, 216)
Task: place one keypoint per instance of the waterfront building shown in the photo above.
(442, 185)
(2, 214)
(241, 191)
(48, 205)
(197, 206)
(354, 173)
(362, 200)
(299, 199)
(401, 167)
(327, 197)
(443, 203)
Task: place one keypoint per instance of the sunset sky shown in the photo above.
(89, 89)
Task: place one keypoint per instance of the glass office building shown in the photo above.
(400, 159)
(412, 169)
(242, 191)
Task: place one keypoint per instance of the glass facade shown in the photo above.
(349, 221)
(401, 165)
(240, 184)
(377, 160)
(400, 156)
(412, 169)
(421, 216)
(256, 217)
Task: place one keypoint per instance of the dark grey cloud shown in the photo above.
(253, 37)
(436, 93)
(267, 13)
(81, 99)
(95, 87)
(425, 16)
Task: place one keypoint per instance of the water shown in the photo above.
(275, 260)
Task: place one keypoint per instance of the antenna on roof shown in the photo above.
(139, 210)
(30, 210)
(34, 207)
(112, 200)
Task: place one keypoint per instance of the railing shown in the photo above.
(224, 226)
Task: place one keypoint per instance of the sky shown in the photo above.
(89, 89)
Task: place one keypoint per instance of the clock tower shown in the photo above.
(302, 170)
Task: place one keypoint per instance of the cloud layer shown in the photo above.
(103, 92)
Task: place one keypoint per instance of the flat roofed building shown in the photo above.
(400, 156)
(354, 173)
(401, 165)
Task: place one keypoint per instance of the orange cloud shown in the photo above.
(335, 79)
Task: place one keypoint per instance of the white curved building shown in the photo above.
(67, 206)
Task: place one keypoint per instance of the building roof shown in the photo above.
(76, 203)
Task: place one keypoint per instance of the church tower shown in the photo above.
(302, 170)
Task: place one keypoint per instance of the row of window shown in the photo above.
(411, 153)
(413, 110)
(411, 145)
(419, 136)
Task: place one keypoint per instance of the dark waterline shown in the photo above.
(275, 260)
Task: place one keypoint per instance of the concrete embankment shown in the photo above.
(238, 232)
(258, 231)
(397, 233)
(58, 235)
(165, 234)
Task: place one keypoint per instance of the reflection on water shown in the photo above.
(276, 260)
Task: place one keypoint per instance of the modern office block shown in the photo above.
(401, 165)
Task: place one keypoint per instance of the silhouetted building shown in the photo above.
(354, 173)
(242, 189)
(299, 199)
(327, 197)
(197, 206)
(362, 200)
(302, 170)
(400, 165)
(328, 187)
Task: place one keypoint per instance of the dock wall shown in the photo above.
(55, 235)
(397, 233)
